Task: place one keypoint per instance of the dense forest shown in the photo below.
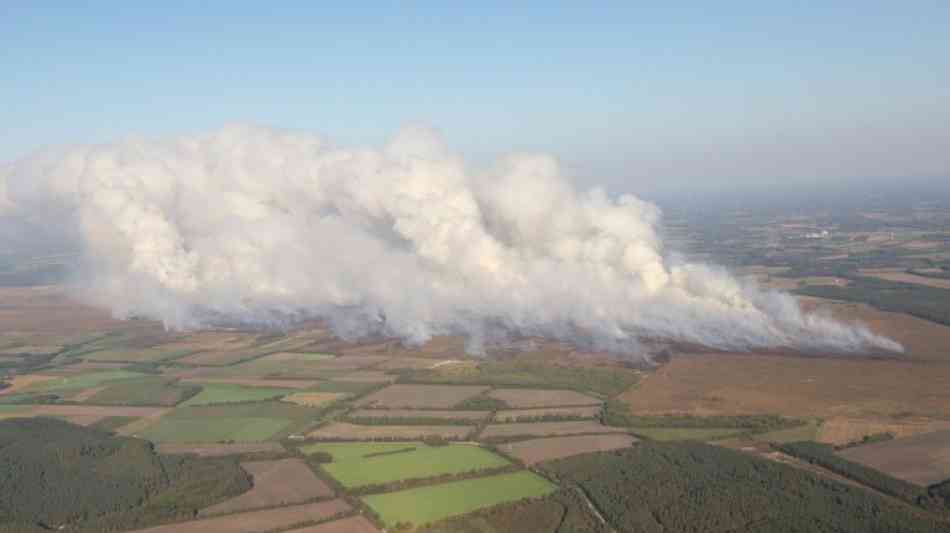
(660, 487)
(59, 474)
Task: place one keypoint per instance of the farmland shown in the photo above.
(515, 415)
(421, 396)
(543, 429)
(528, 398)
(921, 459)
(350, 451)
(218, 449)
(278, 482)
(250, 422)
(429, 504)
(420, 462)
(534, 451)
(257, 521)
(215, 393)
(346, 431)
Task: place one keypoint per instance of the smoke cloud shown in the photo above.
(253, 225)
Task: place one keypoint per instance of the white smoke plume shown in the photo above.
(255, 225)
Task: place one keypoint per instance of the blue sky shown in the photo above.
(630, 94)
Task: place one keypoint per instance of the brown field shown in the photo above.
(367, 376)
(83, 367)
(507, 415)
(904, 277)
(353, 524)
(414, 363)
(251, 382)
(31, 349)
(279, 482)
(526, 398)
(216, 358)
(728, 384)
(257, 521)
(345, 431)
(396, 414)
(543, 429)
(86, 394)
(922, 459)
(217, 450)
(18, 383)
(842, 430)
(349, 362)
(422, 396)
(95, 410)
(312, 399)
(538, 450)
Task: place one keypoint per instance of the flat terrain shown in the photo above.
(543, 429)
(257, 521)
(219, 449)
(251, 382)
(345, 431)
(906, 277)
(245, 422)
(214, 393)
(538, 450)
(727, 384)
(511, 415)
(353, 524)
(842, 430)
(922, 459)
(349, 451)
(667, 434)
(421, 396)
(528, 398)
(397, 414)
(421, 462)
(429, 504)
(313, 399)
(279, 482)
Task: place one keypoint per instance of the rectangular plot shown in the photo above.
(252, 382)
(921, 459)
(216, 393)
(512, 415)
(278, 482)
(422, 396)
(538, 450)
(344, 431)
(348, 451)
(525, 398)
(212, 449)
(353, 524)
(247, 429)
(397, 414)
(541, 429)
(422, 462)
(258, 521)
(429, 504)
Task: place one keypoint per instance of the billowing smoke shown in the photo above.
(253, 225)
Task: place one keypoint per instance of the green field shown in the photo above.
(212, 393)
(348, 451)
(244, 422)
(152, 390)
(669, 434)
(421, 462)
(435, 502)
(145, 355)
(83, 381)
(808, 431)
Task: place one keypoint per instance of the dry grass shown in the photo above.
(922, 459)
(313, 399)
(258, 521)
(538, 450)
(279, 482)
(842, 430)
(18, 383)
(422, 396)
(527, 398)
(345, 431)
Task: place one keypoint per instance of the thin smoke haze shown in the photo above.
(253, 225)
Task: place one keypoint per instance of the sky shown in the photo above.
(636, 96)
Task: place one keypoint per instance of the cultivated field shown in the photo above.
(81, 381)
(906, 277)
(537, 450)
(246, 422)
(279, 482)
(397, 414)
(147, 355)
(528, 398)
(218, 449)
(512, 415)
(429, 504)
(668, 434)
(353, 524)
(922, 459)
(313, 399)
(252, 382)
(842, 430)
(542, 429)
(349, 451)
(85, 415)
(215, 393)
(152, 390)
(25, 381)
(345, 431)
(421, 462)
(367, 376)
(421, 396)
(258, 521)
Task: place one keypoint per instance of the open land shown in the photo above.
(429, 504)
(278, 482)
(421, 396)
(396, 414)
(346, 431)
(218, 449)
(513, 415)
(921, 459)
(353, 524)
(258, 521)
(528, 398)
(215, 393)
(537, 450)
(541, 429)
